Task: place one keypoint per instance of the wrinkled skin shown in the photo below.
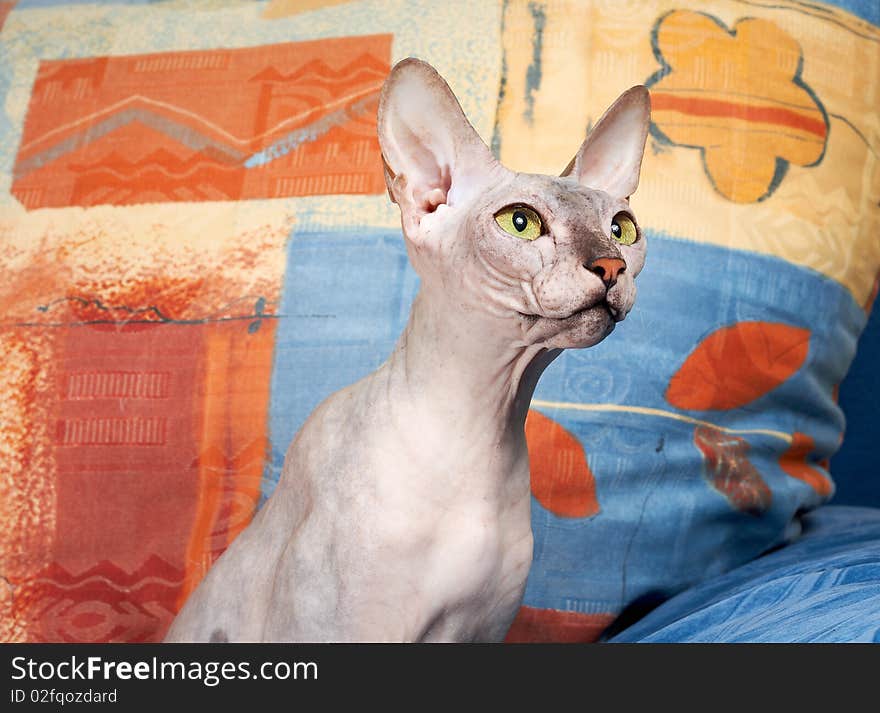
(402, 513)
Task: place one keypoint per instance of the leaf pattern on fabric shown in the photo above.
(561, 479)
(737, 364)
(729, 471)
(794, 463)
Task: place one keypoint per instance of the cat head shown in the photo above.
(552, 259)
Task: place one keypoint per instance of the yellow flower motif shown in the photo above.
(738, 96)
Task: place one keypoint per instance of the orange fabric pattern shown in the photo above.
(795, 463)
(561, 479)
(737, 364)
(728, 469)
(736, 94)
(137, 361)
(539, 626)
(148, 128)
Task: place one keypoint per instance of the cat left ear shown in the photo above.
(430, 152)
(611, 156)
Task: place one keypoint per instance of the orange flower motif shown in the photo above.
(738, 96)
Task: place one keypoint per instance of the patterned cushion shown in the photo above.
(198, 249)
(709, 417)
(150, 182)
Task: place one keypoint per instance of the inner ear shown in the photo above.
(431, 153)
(610, 158)
(427, 163)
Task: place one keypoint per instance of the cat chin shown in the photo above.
(585, 328)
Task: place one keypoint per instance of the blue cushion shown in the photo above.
(823, 588)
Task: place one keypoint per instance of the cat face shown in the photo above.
(569, 274)
(553, 259)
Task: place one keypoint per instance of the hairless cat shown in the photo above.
(402, 512)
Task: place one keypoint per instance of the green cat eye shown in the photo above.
(520, 221)
(623, 230)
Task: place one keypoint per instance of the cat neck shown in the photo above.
(464, 373)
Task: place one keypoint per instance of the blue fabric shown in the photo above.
(866, 9)
(856, 467)
(823, 588)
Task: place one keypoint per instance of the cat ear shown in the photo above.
(430, 152)
(611, 156)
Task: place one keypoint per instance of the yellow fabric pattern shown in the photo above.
(759, 142)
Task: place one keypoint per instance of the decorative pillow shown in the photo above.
(709, 417)
(198, 249)
(149, 183)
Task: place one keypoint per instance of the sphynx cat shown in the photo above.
(403, 509)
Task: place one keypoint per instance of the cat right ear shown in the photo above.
(431, 154)
(611, 156)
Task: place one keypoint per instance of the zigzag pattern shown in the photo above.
(102, 604)
(88, 140)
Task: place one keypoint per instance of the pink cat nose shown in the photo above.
(608, 269)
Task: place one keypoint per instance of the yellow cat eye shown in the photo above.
(623, 230)
(520, 221)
